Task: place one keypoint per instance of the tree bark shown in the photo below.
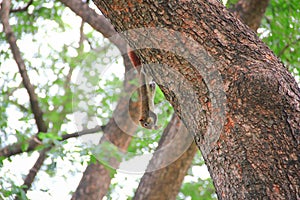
(253, 152)
(165, 183)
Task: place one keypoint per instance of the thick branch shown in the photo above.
(169, 179)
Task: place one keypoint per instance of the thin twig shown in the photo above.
(34, 170)
(84, 132)
(20, 9)
(33, 142)
(287, 46)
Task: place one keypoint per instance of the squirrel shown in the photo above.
(148, 118)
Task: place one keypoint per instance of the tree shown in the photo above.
(168, 178)
(52, 142)
(255, 154)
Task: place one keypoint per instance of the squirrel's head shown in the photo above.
(149, 122)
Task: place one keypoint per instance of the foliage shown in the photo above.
(198, 189)
(51, 66)
(12, 190)
(280, 31)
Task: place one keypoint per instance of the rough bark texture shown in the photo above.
(165, 182)
(257, 153)
(251, 12)
(97, 176)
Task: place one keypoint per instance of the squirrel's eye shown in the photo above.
(145, 124)
(152, 85)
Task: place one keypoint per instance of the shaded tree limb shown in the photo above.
(36, 110)
(96, 178)
(251, 12)
(36, 167)
(169, 164)
(34, 170)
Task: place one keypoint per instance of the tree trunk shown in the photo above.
(233, 94)
(169, 164)
(165, 183)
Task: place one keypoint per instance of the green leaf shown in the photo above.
(24, 146)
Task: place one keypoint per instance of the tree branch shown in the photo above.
(37, 112)
(34, 170)
(20, 9)
(98, 22)
(83, 132)
(15, 148)
(287, 46)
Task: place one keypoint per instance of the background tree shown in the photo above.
(36, 20)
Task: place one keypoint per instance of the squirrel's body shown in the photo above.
(148, 118)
